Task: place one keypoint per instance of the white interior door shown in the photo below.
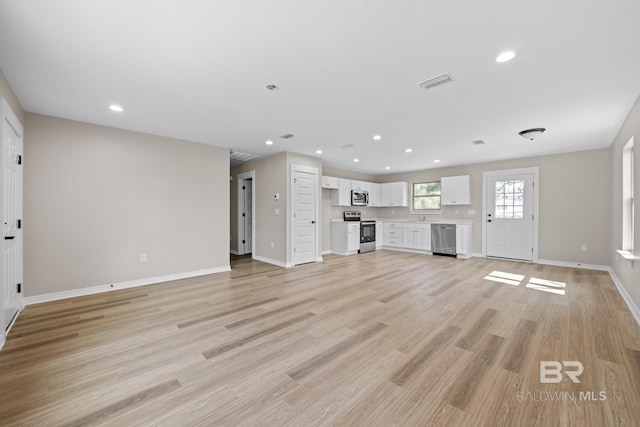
(248, 215)
(11, 198)
(246, 203)
(509, 216)
(304, 216)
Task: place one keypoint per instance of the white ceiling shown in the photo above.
(198, 70)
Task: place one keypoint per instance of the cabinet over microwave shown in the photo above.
(359, 198)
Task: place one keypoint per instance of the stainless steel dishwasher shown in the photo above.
(443, 239)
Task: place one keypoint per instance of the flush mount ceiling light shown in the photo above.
(408, 150)
(436, 161)
(506, 56)
(356, 160)
(377, 137)
(272, 88)
(387, 167)
(318, 151)
(531, 134)
(116, 108)
(269, 142)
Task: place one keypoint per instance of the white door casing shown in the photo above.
(510, 214)
(304, 238)
(246, 214)
(12, 239)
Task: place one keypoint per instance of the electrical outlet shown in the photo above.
(277, 211)
(143, 257)
(272, 245)
(457, 211)
(583, 248)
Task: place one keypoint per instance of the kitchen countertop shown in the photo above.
(458, 221)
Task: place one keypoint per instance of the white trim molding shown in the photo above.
(635, 311)
(273, 261)
(55, 296)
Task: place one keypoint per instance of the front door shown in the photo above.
(509, 207)
(11, 199)
(304, 216)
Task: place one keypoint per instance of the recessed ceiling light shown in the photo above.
(318, 151)
(506, 56)
(356, 160)
(116, 108)
(387, 167)
(436, 161)
(377, 137)
(408, 150)
(269, 142)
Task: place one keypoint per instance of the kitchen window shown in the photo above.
(426, 197)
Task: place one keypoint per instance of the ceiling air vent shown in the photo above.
(436, 81)
(347, 146)
(287, 136)
(478, 142)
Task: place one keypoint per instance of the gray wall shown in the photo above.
(628, 275)
(574, 208)
(95, 198)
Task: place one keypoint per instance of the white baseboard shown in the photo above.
(327, 252)
(272, 261)
(635, 311)
(573, 264)
(233, 251)
(36, 299)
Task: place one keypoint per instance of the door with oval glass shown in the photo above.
(509, 217)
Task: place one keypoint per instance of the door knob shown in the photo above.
(313, 222)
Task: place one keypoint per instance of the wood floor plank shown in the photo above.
(382, 338)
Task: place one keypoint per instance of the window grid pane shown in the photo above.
(509, 199)
(426, 195)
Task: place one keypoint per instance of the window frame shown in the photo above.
(628, 199)
(413, 209)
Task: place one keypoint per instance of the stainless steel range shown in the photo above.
(367, 231)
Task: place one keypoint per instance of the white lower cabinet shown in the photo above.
(393, 234)
(379, 235)
(345, 238)
(464, 241)
(417, 236)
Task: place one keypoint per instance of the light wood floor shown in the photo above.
(379, 339)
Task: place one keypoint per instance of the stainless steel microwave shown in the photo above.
(359, 198)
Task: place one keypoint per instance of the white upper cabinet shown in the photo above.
(359, 185)
(456, 190)
(374, 194)
(330, 182)
(342, 196)
(394, 194)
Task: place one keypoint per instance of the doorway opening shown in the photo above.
(246, 213)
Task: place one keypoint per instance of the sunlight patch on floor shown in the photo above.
(544, 285)
(534, 283)
(502, 277)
